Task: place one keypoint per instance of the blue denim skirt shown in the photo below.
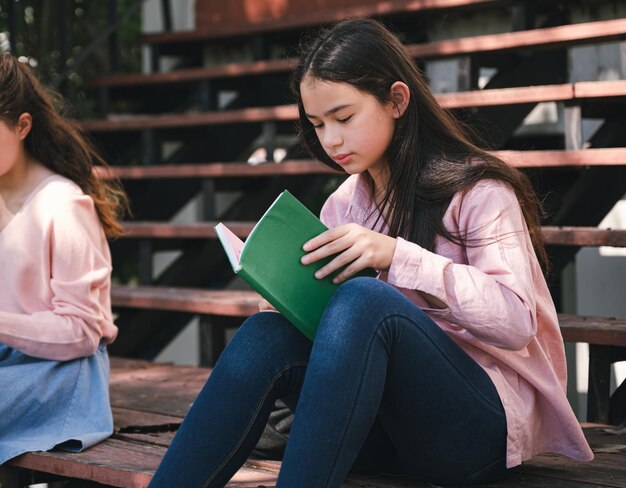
(46, 404)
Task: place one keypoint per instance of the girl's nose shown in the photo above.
(332, 138)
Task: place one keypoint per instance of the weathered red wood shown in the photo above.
(233, 303)
(186, 75)
(245, 115)
(555, 236)
(600, 89)
(113, 462)
(600, 31)
(609, 331)
(215, 170)
(200, 230)
(584, 236)
(506, 96)
(584, 157)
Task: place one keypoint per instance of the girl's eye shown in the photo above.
(318, 126)
(345, 119)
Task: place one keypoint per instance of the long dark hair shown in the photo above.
(56, 142)
(430, 157)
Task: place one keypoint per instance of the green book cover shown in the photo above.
(269, 261)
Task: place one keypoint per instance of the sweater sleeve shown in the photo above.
(78, 306)
(492, 296)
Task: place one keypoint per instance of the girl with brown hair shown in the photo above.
(55, 311)
(449, 367)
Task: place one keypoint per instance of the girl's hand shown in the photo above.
(356, 246)
(265, 306)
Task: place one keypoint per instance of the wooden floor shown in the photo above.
(150, 400)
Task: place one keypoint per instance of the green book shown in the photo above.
(269, 261)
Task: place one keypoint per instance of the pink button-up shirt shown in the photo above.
(497, 308)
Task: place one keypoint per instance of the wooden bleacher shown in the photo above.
(149, 402)
(179, 108)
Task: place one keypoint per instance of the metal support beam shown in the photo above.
(573, 127)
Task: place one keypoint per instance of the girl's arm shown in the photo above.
(493, 296)
(75, 304)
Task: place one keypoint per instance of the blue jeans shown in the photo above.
(381, 389)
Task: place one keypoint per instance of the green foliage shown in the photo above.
(40, 41)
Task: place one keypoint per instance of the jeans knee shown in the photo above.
(265, 339)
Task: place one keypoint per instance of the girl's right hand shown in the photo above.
(265, 306)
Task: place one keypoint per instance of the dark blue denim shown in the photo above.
(381, 389)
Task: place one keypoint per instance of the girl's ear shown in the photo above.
(399, 94)
(24, 125)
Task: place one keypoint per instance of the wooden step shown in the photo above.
(572, 34)
(555, 236)
(584, 236)
(216, 170)
(150, 400)
(322, 16)
(474, 98)
(520, 159)
(593, 330)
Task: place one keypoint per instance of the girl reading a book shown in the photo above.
(447, 368)
(55, 312)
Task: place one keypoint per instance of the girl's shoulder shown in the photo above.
(59, 197)
(484, 201)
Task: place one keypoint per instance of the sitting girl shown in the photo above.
(449, 367)
(55, 311)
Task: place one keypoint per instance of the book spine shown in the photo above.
(276, 303)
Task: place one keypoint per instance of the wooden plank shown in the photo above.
(555, 236)
(571, 34)
(600, 89)
(234, 303)
(609, 331)
(113, 462)
(584, 157)
(199, 230)
(228, 70)
(583, 236)
(606, 470)
(506, 96)
(215, 170)
(245, 115)
(123, 464)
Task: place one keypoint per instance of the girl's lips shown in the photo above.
(342, 159)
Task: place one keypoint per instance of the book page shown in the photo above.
(232, 245)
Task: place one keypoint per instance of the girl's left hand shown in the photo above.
(357, 248)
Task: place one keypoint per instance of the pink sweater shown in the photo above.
(498, 308)
(55, 275)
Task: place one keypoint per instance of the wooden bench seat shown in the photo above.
(475, 98)
(150, 400)
(571, 35)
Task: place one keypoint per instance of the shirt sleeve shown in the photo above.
(492, 296)
(80, 272)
